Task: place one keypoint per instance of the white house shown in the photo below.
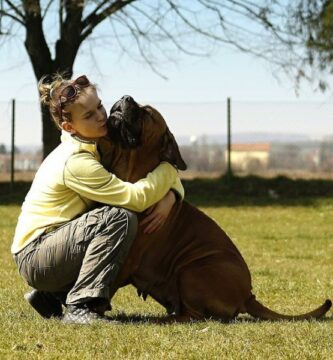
(249, 157)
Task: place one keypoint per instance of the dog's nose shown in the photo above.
(127, 98)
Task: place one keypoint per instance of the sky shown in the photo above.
(192, 99)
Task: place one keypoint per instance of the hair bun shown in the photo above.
(44, 87)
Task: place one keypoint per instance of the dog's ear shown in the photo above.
(170, 151)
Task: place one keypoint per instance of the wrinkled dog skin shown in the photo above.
(190, 266)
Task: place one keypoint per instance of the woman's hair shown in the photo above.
(50, 88)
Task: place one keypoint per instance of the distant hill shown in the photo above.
(246, 137)
(241, 137)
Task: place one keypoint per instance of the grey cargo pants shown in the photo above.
(82, 257)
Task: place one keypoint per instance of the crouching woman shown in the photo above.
(65, 247)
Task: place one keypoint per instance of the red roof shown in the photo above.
(264, 147)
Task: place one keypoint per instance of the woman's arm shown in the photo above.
(86, 176)
(178, 188)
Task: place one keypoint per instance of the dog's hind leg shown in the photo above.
(213, 291)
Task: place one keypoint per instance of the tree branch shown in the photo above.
(16, 10)
(60, 16)
(70, 40)
(92, 20)
(142, 51)
(47, 8)
(4, 13)
(94, 12)
(190, 24)
(167, 33)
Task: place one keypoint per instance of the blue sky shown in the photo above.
(192, 99)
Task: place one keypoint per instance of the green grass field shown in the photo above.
(288, 245)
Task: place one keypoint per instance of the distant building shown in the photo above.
(4, 163)
(27, 162)
(249, 157)
(22, 162)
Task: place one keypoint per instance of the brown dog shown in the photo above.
(190, 266)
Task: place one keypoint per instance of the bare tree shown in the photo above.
(152, 30)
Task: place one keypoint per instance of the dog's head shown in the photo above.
(125, 123)
(139, 135)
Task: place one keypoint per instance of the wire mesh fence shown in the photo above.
(268, 138)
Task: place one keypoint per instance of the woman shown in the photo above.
(65, 247)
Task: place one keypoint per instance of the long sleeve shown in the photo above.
(177, 186)
(86, 176)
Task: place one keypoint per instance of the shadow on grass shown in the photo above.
(135, 318)
(242, 319)
(224, 191)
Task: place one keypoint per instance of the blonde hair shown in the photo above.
(50, 96)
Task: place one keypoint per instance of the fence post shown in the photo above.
(12, 163)
(229, 168)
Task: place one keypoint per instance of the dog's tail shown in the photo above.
(257, 310)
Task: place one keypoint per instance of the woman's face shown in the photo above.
(88, 116)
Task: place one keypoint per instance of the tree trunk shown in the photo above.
(50, 133)
(41, 59)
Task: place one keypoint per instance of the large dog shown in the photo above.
(190, 266)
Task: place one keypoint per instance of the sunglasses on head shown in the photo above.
(69, 92)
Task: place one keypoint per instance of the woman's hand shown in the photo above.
(158, 213)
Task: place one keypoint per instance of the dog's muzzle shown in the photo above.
(124, 123)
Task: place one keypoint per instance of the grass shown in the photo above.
(287, 243)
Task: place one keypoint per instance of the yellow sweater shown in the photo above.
(71, 179)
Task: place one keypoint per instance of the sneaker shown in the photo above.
(82, 314)
(44, 303)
